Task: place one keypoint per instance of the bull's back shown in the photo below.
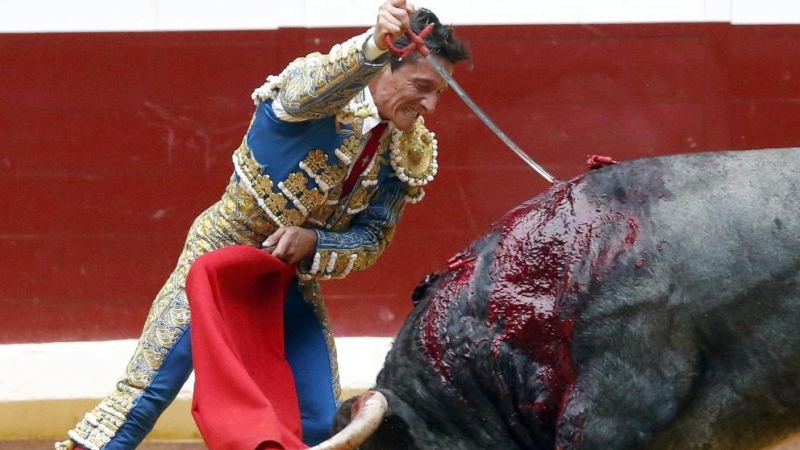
(703, 230)
(707, 292)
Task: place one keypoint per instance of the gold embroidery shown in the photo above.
(316, 161)
(296, 203)
(342, 266)
(349, 148)
(294, 216)
(312, 199)
(276, 202)
(360, 199)
(317, 167)
(341, 262)
(322, 213)
(319, 85)
(362, 261)
(324, 260)
(414, 194)
(263, 184)
(333, 176)
(295, 183)
(414, 156)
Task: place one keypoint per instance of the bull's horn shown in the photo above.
(367, 414)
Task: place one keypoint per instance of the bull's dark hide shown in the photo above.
(651, 304)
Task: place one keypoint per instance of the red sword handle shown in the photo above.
(415, 42)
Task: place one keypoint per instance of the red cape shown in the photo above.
(244, 392)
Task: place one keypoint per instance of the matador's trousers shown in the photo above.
(162, 361)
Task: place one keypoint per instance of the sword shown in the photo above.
(417, 42)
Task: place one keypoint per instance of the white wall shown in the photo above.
(36, 371)
(168, 15)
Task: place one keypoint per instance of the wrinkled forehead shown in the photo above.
(420, 69)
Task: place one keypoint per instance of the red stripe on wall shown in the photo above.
(110, 144)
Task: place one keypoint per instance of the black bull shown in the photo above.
(651, 304)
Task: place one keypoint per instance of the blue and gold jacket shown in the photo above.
(295, 168)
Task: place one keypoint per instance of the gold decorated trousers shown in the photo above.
(162, 360)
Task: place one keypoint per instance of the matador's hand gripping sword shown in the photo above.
(417, 42)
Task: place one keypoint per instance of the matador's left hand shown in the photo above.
(291, 244)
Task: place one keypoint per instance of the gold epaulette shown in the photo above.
(414, 158)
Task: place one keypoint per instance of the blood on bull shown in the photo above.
(651, 304)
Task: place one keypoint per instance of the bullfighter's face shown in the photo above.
(409, 91)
